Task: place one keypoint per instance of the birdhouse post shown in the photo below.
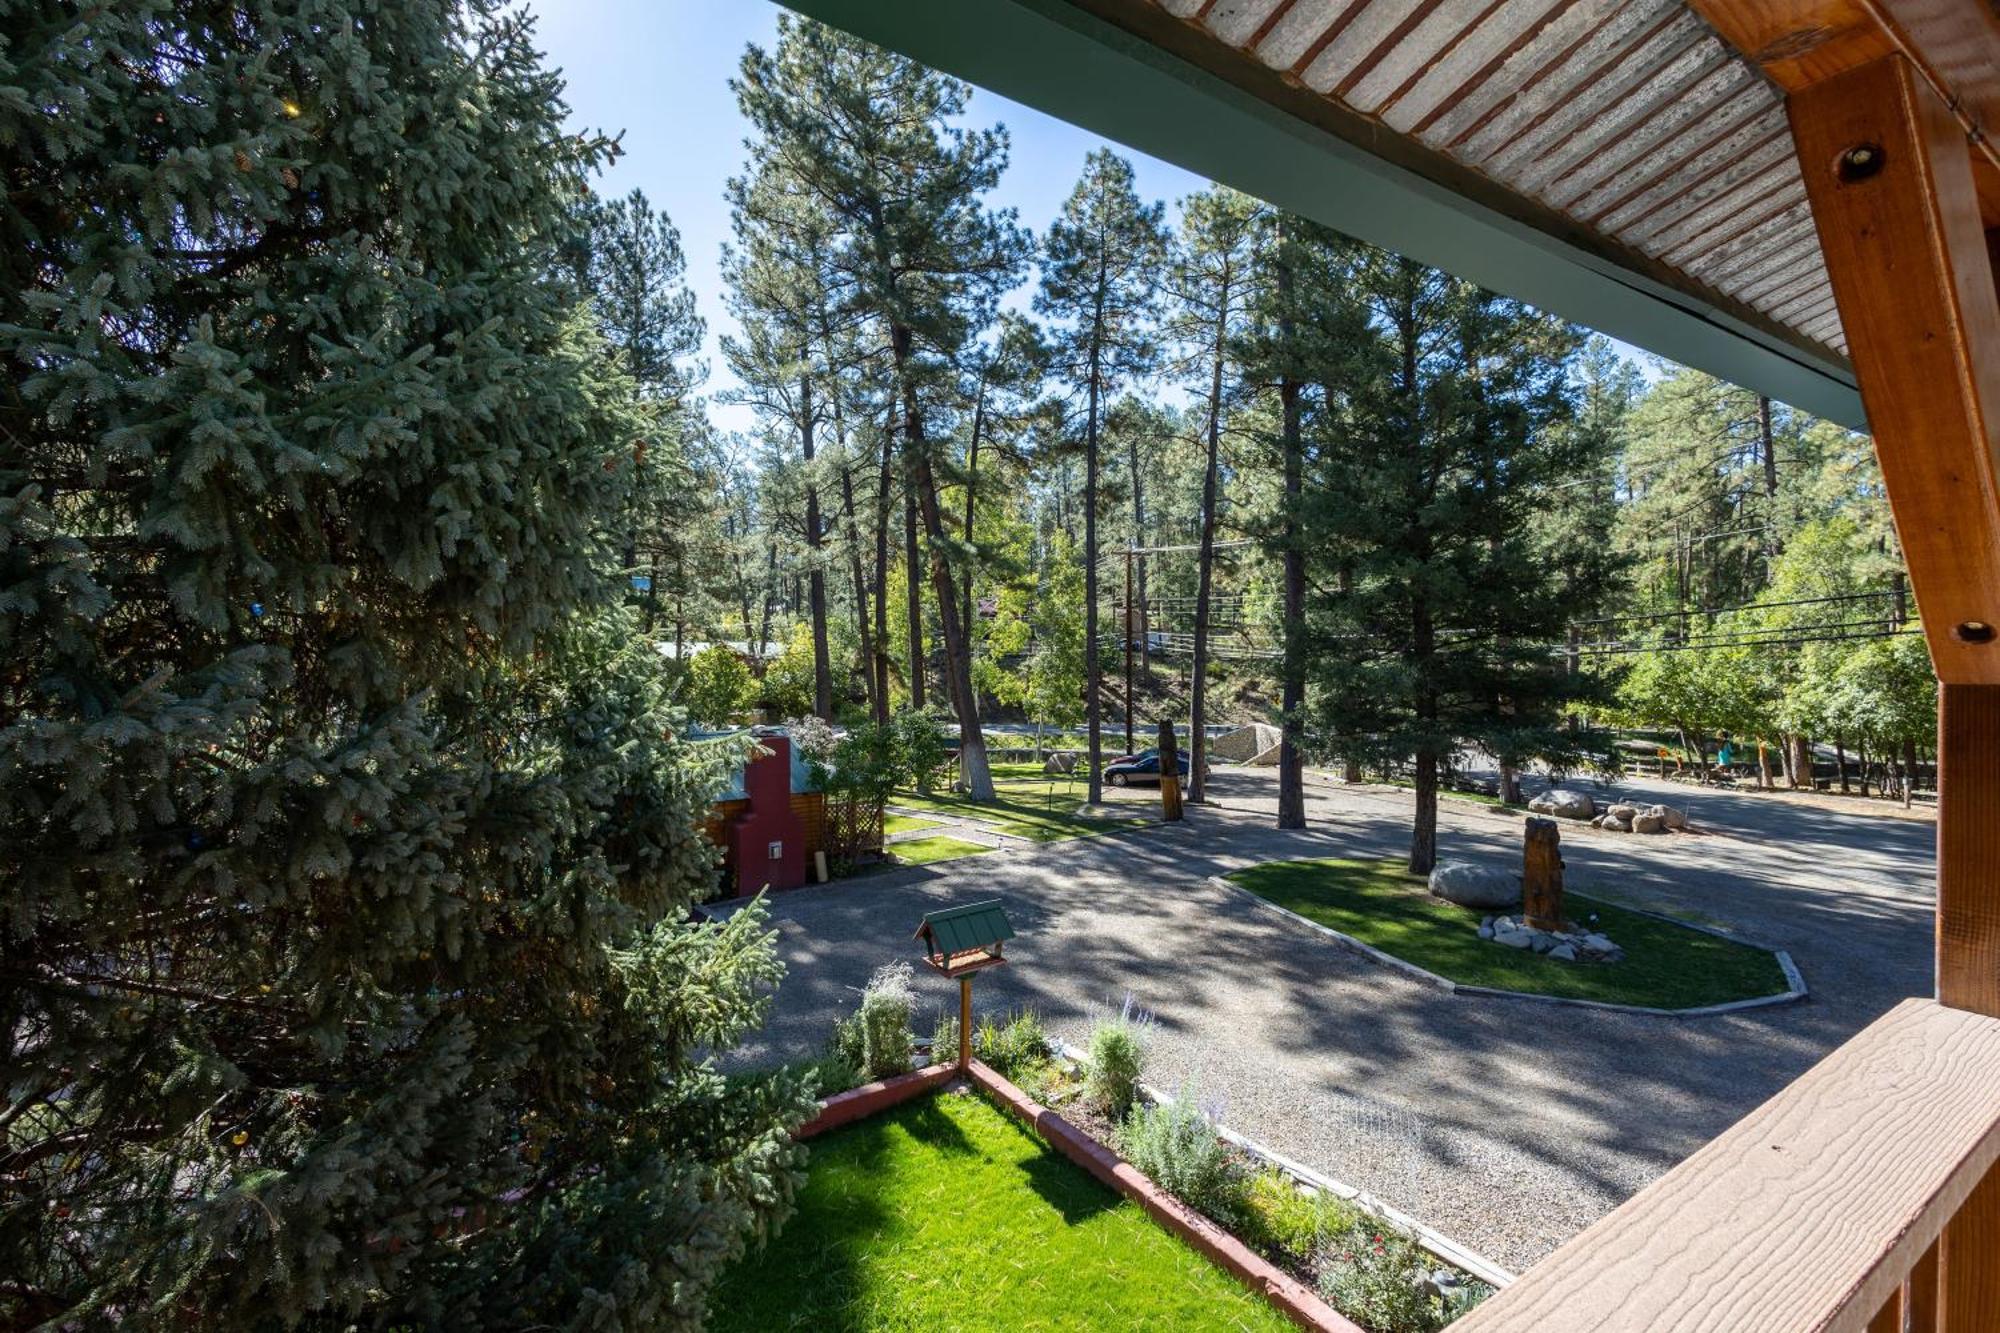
(958, 942)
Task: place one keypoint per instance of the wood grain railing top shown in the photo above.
(1807, 1214)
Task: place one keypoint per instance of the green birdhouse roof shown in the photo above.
(973, 926)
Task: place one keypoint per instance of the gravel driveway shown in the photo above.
(1508, 1125)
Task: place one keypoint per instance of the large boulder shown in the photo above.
(1676, 817)
(1471, 885)
(1648, 822)
(1622, 811)
(1564, 803)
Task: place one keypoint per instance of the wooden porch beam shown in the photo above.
(1890, 183)
(1954, 44)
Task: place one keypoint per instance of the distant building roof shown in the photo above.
(689, 647)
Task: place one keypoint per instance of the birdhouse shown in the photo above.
(958, 942)
(965, 939)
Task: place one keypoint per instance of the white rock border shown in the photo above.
(1795, 982)
(1455, 1253)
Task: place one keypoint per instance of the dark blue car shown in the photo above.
(1140, 768)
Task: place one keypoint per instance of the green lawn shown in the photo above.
(926, 851)
(1379, 903)
(1025, 812)
(945, 1214)
(907, 824)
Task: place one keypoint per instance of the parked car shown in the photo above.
(1141, 767)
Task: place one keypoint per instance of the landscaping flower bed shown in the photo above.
(1301, 1245)
(945, 1212)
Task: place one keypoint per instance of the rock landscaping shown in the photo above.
(1573, 945)
(1471, 885)
(1564, 803)
(1627, 818)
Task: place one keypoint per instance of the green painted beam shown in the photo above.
(1362, 180)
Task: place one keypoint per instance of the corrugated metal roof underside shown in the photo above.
(1630, 117)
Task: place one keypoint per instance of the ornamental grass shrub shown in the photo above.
(1280, 1218)
(1175, 1144)
(1012, 1044)
(876, 1039)
(1117, 1059)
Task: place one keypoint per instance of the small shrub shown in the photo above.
(1175, 1144)
(944, 1039)
(834, 1071)
(919, 747)
(1013, 1047)
(1117, 1058)
(1280, 1217)
(877, 1040)
(1380, 1279)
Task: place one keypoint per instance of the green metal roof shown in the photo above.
(973, 926)
(1133, 73)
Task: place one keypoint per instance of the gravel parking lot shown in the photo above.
(1508, 1125)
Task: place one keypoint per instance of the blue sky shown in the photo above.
(659, 72)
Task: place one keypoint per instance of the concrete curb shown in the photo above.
(1291, 1297)
(1453, 1252)
(1795, 982)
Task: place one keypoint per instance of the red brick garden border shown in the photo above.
(845, 1107)
(1293, 1298)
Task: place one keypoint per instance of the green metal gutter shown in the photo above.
(1305, 155)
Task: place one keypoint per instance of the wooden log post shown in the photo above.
(964, 1023)
(1542, 875)
(1170, 774)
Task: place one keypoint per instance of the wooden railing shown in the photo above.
(1862, 1197)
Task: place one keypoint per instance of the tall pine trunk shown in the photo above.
(1139, 562)
(973, 769)
(877, 706)
(1291, 755)
(913, 590)
(1205, 575)
(1350, 764)
(816, 576)
(882, 570)
(972, 490)
(1093, 692)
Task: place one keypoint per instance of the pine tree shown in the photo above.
(1452, 441)
(1212, 288)
(871, 137)
(1302, 322)
(1100, 271)
(636, 276)
(783, 302)
(348, 978)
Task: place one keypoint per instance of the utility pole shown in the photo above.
(1130, 547)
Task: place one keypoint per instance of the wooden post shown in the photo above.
(1889, 175)
(1170, 774)
(1968, 834)
(1968, 1273)
(1542, 875)
(965, 1022)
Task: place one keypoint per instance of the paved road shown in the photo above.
(1506, 1124)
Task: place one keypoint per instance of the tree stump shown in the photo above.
(1170, 774)
(1542, 875)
